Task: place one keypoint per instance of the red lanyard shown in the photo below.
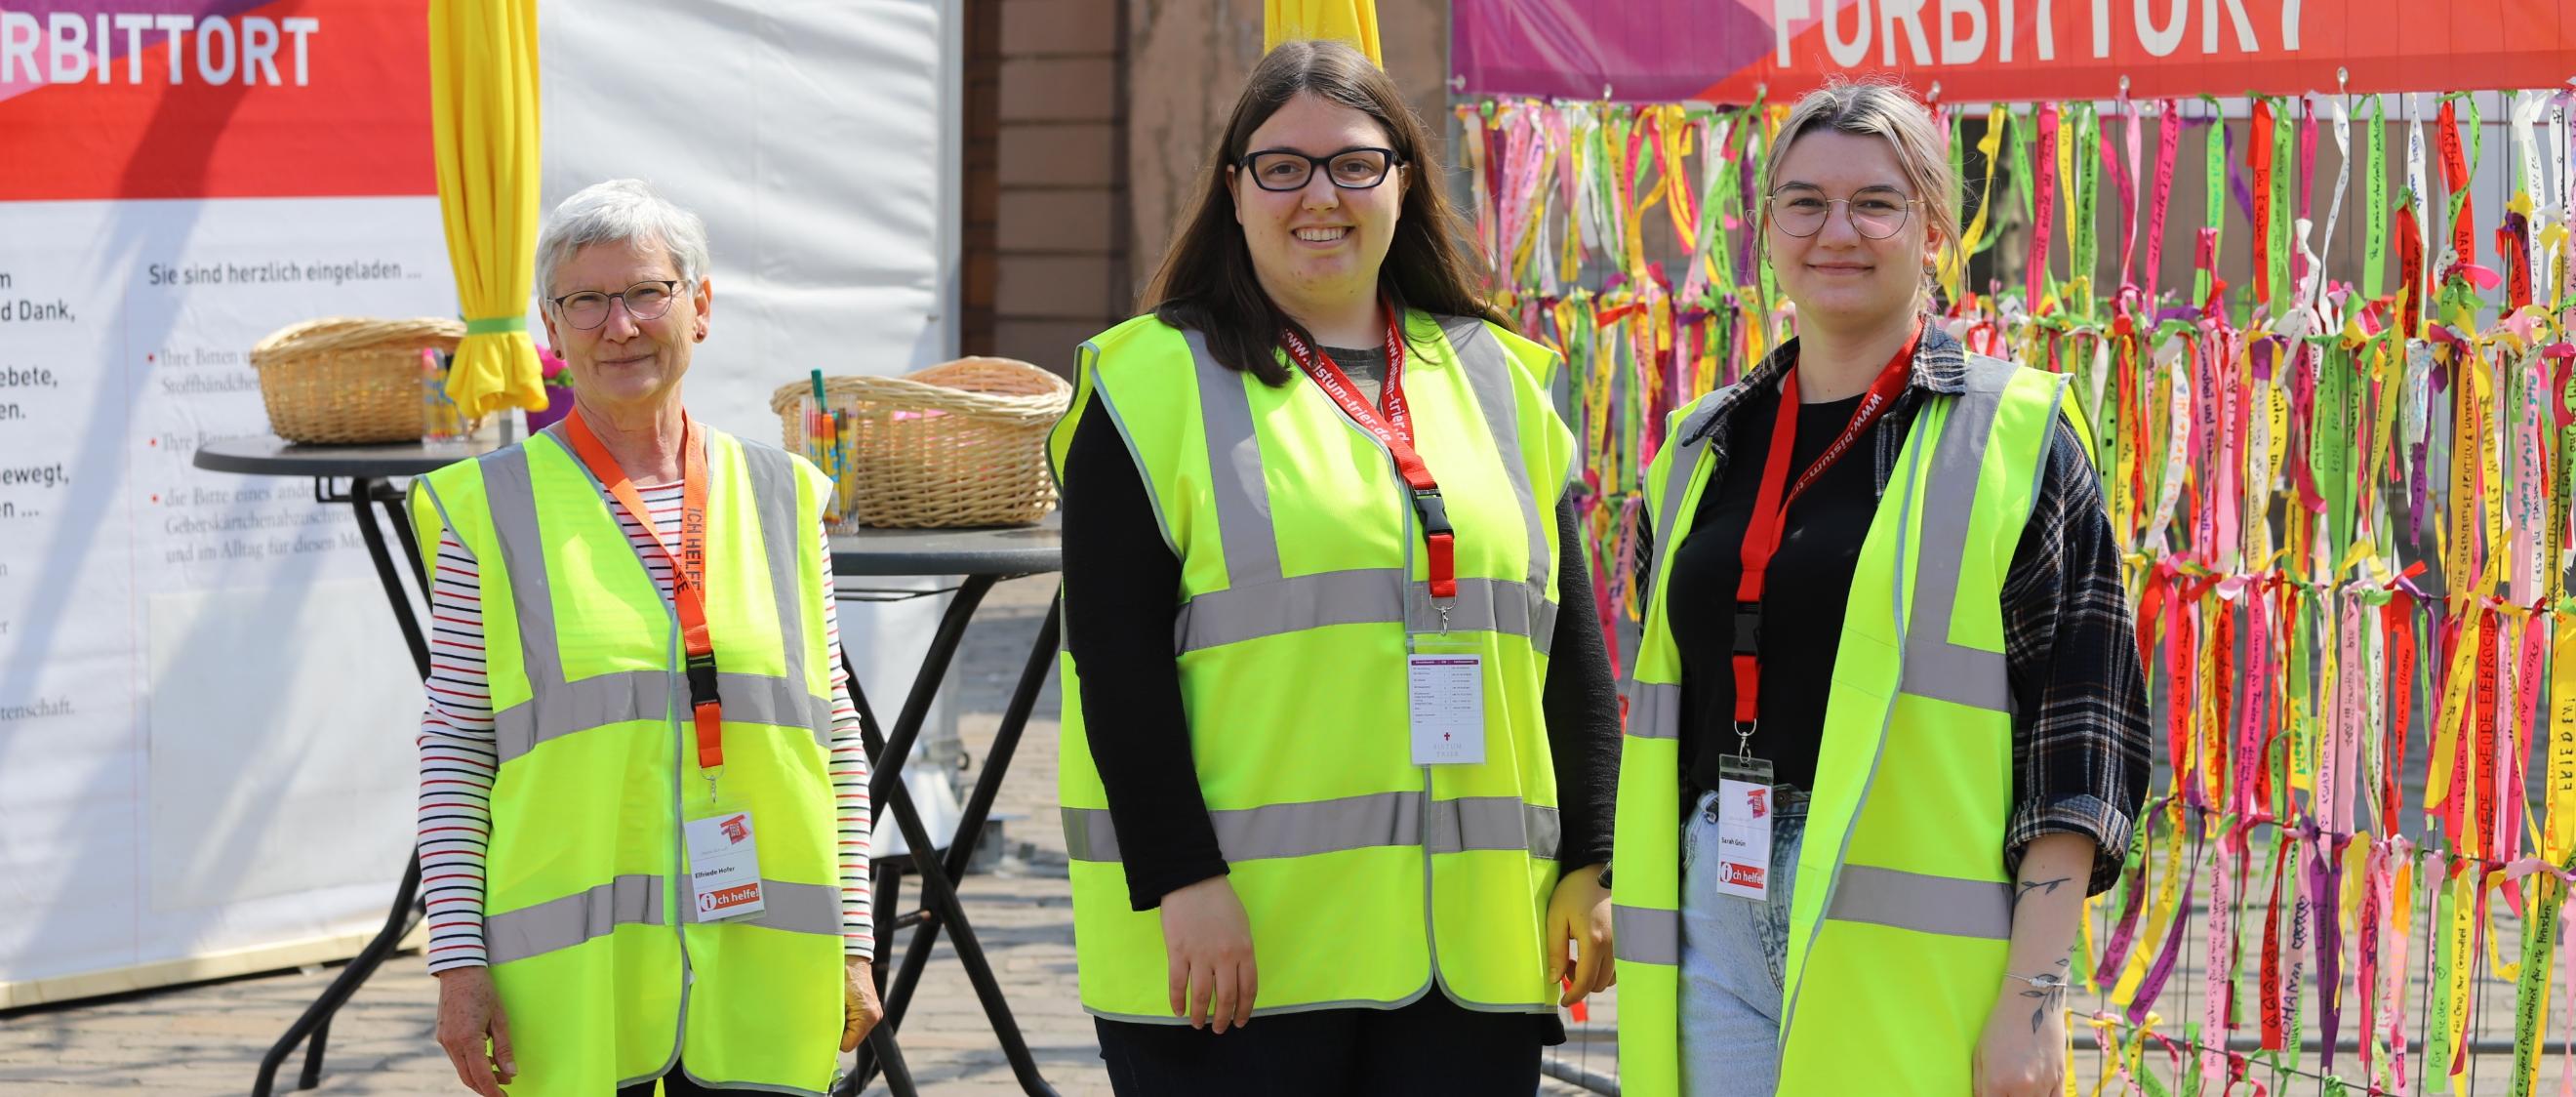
(1394, 430)
(1762, 531)
(688, 565)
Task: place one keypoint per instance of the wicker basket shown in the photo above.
(348, 379)
(959, 444)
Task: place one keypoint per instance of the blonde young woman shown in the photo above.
(1888, 726)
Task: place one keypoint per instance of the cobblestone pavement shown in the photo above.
(207, 1039)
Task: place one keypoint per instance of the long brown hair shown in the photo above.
(1206, 282)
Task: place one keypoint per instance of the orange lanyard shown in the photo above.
(688, 564)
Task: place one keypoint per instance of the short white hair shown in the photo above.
(620, 211)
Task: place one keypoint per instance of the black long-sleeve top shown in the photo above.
(1119, 582)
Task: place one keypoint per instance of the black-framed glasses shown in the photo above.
(1875, 212)
(646, 300)
(1289, 169)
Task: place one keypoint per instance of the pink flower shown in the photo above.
(552, 369)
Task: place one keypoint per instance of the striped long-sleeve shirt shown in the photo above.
(458, 752)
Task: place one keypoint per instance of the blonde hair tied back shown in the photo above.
(1883, 108)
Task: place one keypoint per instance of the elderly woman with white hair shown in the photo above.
(643, 809)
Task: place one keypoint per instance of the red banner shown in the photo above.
(108, 99)
(1735, 50)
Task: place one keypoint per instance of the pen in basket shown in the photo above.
(845, 483)
(817, 423)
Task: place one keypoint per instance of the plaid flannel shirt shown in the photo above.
(2080, 722)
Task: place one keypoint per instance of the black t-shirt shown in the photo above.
(1803, 598)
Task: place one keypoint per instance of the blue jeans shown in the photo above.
(1734, 952)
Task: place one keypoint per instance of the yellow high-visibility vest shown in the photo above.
(1369, 881)
(1901, 914)
(605, 974)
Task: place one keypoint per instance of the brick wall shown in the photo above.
(1188, 59)
(1099, 117)
(1057, 258)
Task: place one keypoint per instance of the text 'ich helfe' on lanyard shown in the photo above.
(688, 565)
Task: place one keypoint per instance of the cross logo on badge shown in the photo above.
(733, 829)
(1756, 797)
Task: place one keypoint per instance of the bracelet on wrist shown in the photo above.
(2043, 981)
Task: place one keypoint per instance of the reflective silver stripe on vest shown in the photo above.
(1935, 667)
(637, 900)
(1924, 904)
(1358, 597)
(791, 908)
(1488, 371)
(1644, 935)
(512, 498)
(1677, 478)
(1372, 821)
(1654, 710)
(559, 707)
(775, 494)
(1234, 469)
(1473, 823)
(572, 919)
(569, 707)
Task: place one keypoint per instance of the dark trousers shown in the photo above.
(1432, 1047)
(674, 1084)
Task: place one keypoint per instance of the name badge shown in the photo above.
(724, 866)
(1744, 828)
(1446, 690)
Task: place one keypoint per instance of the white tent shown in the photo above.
(206, 713)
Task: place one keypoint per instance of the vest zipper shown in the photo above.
(1404, 510)
(1430, 920)
(683, 897)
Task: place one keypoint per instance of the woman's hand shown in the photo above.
(1207, 947)
(469, 1014)
(860, 1010)
(2023, 1051)
(1578, 918)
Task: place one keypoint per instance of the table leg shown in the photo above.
(887, 773)
(1006, 742)
(939, 893)
(979, 805)
(316, 1020)
(898, 1075)
(880, 1049)
(315, 1025)
(362, 494)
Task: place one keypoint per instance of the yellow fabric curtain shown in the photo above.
(1352, 21)
(483, 118)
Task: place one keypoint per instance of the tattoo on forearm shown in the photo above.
(2045, 1000)
(2043, 887)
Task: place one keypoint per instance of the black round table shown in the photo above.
(368, 471)
(981, 557)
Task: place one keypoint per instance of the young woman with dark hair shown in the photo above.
(1338, 721)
